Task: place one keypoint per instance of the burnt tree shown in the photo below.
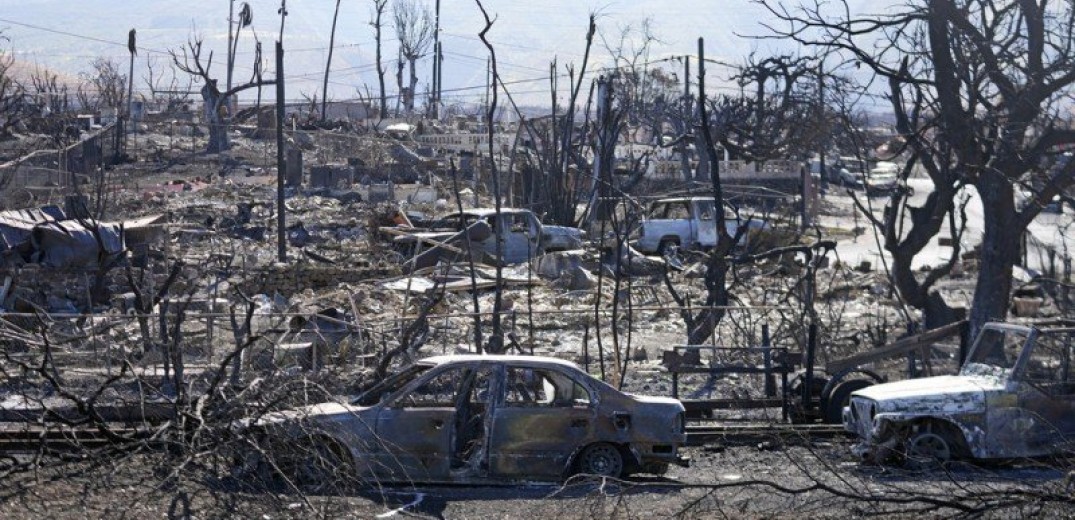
(379, 7)
(12, 96)
(414, 27)
(190, 61)
(768, 123)
(978, 87)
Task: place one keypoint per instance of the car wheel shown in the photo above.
(840, 397)
(928, 449)
(601, 459)
(323, 466)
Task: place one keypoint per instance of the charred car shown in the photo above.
(1014, 397)
(471, 419)
(522, 235)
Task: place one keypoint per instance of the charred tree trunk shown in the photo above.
(399, 82)
(1000, 251)
(379, 7)
(412, 62)
(218, 131)
(716, 276)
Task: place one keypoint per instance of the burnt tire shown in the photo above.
(927, 450)
(932, 445)
(323, 466)
(666, 246)
(601, 459)
(840, 397)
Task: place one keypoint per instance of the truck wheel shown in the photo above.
(926, 450)
(932, 445)
(666, 246)
(840, 397)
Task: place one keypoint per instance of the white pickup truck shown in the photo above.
(686, 222)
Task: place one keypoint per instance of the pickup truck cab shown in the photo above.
(686, 222)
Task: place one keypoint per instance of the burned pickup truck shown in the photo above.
(1014, 397)
(473, 419)
(521, 233)
(689, 223)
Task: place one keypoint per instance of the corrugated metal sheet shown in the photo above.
(69, 244)
(17, 225)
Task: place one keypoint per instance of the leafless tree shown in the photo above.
(12, 96)
(379, 7)
(50, 94)
(977, 86)
(104, 87)
(550, 183)
(190, 61)
(496, 343)
(328, 61)
(765, 122)
(50, 111)
(414, 28)
(166, 87)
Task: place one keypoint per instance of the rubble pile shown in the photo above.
(374, 261)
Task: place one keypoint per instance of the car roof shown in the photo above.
(485, 212)
(500, 358)
(683, 199)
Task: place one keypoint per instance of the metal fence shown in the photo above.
(45, 175)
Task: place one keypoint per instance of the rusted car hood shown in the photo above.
(942, 394)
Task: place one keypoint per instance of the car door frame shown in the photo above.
(414, 443)
(1039, 405)
(538, 441)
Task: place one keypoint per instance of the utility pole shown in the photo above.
(133, 48)
(231, 57)
(436, 63)
(281, 231)
(328, 62)
(283, 14)
(684, 161)
(440, 75)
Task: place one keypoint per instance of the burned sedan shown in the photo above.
(473, 418)
(1014, 397)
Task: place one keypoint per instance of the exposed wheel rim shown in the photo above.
(929, 447)
(602, 459)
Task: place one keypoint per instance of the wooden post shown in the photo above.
(231, 55)
(435, 95)
(130, 83)
(811, 352)
(684, 161)
(281, 231)
(766, 343)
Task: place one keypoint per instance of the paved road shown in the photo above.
(1048, 232)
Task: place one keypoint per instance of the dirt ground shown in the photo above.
(754, 480)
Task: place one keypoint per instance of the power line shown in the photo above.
(80, 36)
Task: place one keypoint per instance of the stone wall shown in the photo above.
(290, 279)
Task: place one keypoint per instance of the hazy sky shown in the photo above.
(527, 36)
